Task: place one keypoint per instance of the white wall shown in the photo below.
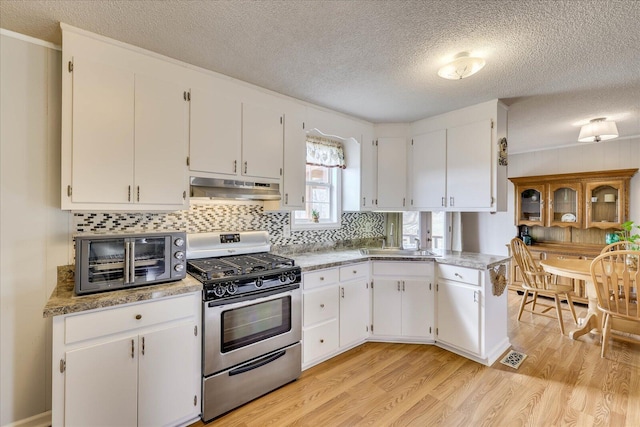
(34, 231)
(489, 233)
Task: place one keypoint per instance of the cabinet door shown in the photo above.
(214, 132)
(160, 141)
(354, 312)
(459, 316)
(605, 202)
(262, 141)
(428, 177)
(469, 166)
(103, 133)
(101, 384)
(530, 204)
(295, 152)
(417, 308)
(564, 205)
(387, 307)
(168, 375)
(392, 176)
(368, 172)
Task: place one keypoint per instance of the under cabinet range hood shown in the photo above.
(215, 188)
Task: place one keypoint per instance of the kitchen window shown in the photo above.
(325, 160)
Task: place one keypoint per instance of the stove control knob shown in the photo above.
(232, 288)
(259, 282)
(179, 267)
(292, 277)
(219, 290)
(179, 242)
(179, 255)
(283, 277)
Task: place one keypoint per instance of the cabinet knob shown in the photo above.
(138, 316)
(321, 305)
(321, 341)
(458, 275)
(355, 271)
(321, 278)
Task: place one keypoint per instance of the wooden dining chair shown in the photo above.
(535, 281)
(616, 276)
(616, 246)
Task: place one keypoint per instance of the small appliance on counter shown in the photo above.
(107, 262)
(523, 233)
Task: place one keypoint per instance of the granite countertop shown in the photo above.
(63, 299)
(310, 261)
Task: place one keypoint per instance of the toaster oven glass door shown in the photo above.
(151, 259)
(124, 261)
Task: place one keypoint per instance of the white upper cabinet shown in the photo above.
(368, 170)
(124, 130)
(102, 121)
(215, 132)
(295, 155)
(455, 160)
(262, 141)
(160, 141)
(469, 150)
(392, 173)
(428, 177)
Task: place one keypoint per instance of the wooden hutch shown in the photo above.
(569, 215)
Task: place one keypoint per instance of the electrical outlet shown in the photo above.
(286, 231)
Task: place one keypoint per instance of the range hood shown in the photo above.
(215, 188)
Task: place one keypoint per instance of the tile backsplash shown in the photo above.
(201, 218)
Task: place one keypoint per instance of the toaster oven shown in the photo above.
(119, 261)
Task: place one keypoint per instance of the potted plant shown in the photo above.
(315, 215)
(625, 235)
(633, 241)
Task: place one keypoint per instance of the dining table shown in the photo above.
(580, 269)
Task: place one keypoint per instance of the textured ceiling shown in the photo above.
(556, 63)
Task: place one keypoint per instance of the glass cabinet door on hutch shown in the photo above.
(605, 202)
(530, 204)
(564, 205)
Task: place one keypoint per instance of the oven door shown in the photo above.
(238, 332)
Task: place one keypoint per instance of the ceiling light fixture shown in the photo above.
(462, 66)
(597, 130)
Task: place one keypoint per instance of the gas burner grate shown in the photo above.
(212, 268)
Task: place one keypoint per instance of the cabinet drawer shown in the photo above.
(402, 269)
(459, 274)
(319, 278)
(95, 324)
(354, 271)
(320, 340)
(320, 305)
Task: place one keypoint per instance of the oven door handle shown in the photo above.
(258, 363)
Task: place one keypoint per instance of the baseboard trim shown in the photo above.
(40, 420)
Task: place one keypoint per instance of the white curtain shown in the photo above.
(325, 152)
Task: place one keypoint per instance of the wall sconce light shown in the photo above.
(598, 130)
(462, 66)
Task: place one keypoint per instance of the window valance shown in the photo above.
(325, 152)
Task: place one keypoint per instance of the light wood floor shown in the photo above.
(561, 382)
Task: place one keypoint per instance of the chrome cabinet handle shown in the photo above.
(458, 275)
(398, 286)
(286, 198)
(245, 167)
(143, 346)
(342, 292)
(475, 296)
(403, 286)
(450, 201)
(132, 349)
(235, 166)
(138, 191)
(443, 201)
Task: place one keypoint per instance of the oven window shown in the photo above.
(150, 258)
(256, 322)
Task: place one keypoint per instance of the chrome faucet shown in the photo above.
(418, 244)
(384, 241)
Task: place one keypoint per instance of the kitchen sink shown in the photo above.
(398, 252)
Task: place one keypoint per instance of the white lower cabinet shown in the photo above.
(471, 320)
(131, 365)
(335, 311)
(403, 300)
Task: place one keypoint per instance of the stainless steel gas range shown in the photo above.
(251, 318)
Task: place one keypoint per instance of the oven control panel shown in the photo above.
(230, 238)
